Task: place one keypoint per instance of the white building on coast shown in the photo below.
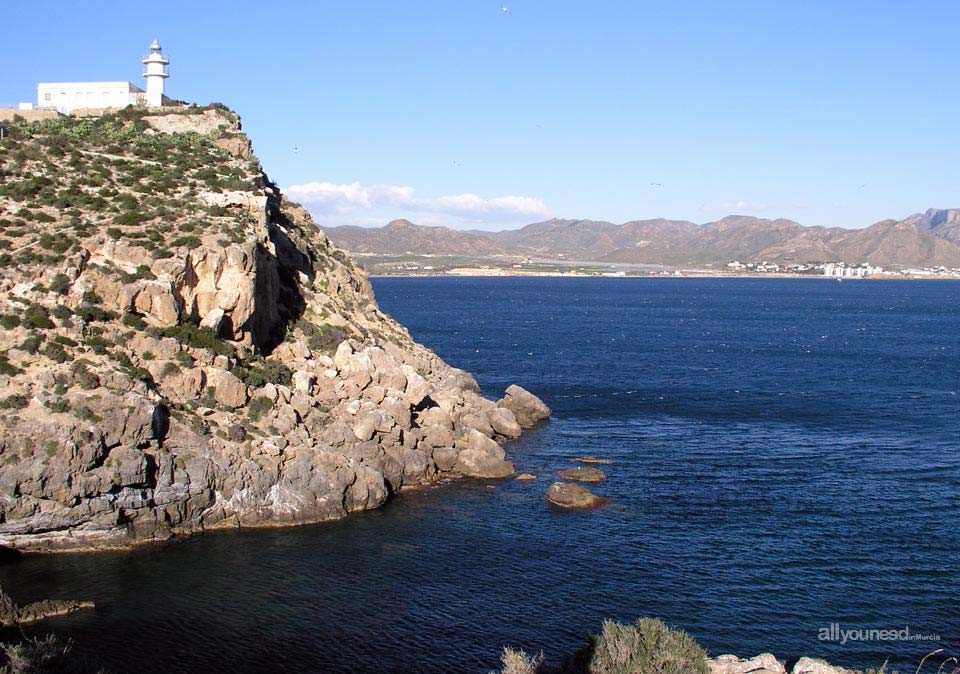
(66, 97)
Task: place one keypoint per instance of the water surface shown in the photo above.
(786, 458)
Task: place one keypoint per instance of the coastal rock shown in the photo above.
(527, 409)
(764, 663)
(816, 666)
(573, 496)
(241, 376)
(593, 459)
(12, 615)
(526, 477)
(581, 474)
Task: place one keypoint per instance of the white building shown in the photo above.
(69, 96)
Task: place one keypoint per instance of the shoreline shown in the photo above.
(683, 275)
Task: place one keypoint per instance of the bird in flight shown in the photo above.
(654, 184)
(296, 149)
(505, 9)
(862, 186)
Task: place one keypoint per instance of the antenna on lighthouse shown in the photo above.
(155, 73)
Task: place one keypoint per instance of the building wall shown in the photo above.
(69, 96)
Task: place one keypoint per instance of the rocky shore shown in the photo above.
(11, 614)
(649, 646)
(182, 349)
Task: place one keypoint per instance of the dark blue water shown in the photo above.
(787, 456)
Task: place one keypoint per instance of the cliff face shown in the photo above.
(182, 349)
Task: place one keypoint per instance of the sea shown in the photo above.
(785, 479)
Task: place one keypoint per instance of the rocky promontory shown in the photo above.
(182, 349)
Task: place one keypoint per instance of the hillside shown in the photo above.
(182, 349)
(402, 236)
(930, 239)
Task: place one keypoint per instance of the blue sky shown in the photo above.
(456, 112)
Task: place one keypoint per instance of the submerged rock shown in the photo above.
(567, 495)
(526, 477)
(592, 459)
(527, 408)
(581, 474)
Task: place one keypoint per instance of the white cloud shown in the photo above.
(735, 207)
(352, 203)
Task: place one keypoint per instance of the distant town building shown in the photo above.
(66, 97)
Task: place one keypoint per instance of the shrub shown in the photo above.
(7, 368)
(9, 321)
(83, 377)
(272, 372)
(647, 647)
(518, 662)
(14, 402)
(56, 352)
(134, 321)
(35, 316)
(198, 337)
(258, 406)
(60, 284)
(61, 312)
(169, 368)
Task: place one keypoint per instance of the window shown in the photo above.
(46, 97)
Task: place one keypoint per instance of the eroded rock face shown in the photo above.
(224, 383)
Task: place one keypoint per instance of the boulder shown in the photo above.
(592, 459)
(731, 664)
(503, 422)
(527, 408)
(581, 474)
(526, 477)
(230, 391)
(816, 666)
(478, 463)
(573, 496)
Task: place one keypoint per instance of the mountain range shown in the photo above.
(923, 239)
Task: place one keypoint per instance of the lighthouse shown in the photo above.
(156, 72)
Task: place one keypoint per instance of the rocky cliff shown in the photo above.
(182, 349)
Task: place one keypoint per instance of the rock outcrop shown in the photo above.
(206, 358)
(768, 664)
(582, 474)
(573, 496)
(11, 614)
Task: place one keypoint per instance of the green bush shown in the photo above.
(36, 317)
(14, 402)
(199, 338)
(60, 284)
(56, 352)
(9, 321)
(258, 406)
(271, 371)
(7, 368)
(647, 647)
(83, 377)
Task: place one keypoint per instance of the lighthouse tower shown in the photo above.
(156, 72)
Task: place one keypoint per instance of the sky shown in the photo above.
(491, 115)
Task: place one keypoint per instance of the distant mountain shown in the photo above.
(402, 236)
(927, 239)
(942, 223)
